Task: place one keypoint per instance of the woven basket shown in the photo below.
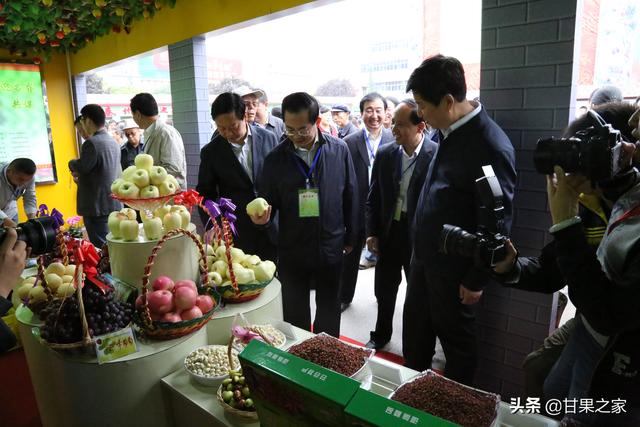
(166, 330)
(62, 248)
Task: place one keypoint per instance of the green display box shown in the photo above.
(290, 391)
(368, 409)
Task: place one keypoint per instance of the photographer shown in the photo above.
(17, 180)
(13, 255)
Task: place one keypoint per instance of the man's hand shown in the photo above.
(13, 254)
(563, 196)
(262, 219)
(347, 250)
(468, 297)
(506, 265)
(372, 244)
(8, 222)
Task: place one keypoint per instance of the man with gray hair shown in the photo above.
(266, 120)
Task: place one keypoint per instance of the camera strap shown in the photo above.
(631, 213)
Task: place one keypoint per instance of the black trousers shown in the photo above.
(97, 229)
(350, 268)
(395, 254)
(296, 279)
(432, 308)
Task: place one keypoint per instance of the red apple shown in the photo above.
(193, 313)
(162, 282)
(60, 35)
(185, 297)
(188, 283)
(160, 302)
(171, 317)
(204, 303)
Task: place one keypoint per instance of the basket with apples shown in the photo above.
(166, 309)
(145, 187)
(123, 224)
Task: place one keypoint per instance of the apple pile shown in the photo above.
(144, 181)
(58, 277)
(175, 302)
(248, 269)
(123, 224)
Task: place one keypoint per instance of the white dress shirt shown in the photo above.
(408, 165)
(244, 153)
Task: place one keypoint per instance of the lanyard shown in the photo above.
(413, 162)
(308, 176)
(372, 155)
(629, 214)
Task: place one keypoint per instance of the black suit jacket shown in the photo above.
(222, 175)
(385, 187)
(360, 156)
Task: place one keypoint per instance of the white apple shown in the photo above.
(237, 255)
(219, 267)
(70, 270)
(65, 290)
(171, 221)
(129, 190)
(211, 251)
(215, 277)
(243, 275)
(129, 229)
(186, 218)
(127, 174)
(129, 213)
(53, 281)
(221, 252)
(250, 260)
(167, 187)
(157, 175)
(257, 207)
(67, 279)
(152, 228)
(55, 268)
(115, 185)
(210, 261)
(23, 290)
(37, 294)
(113, 222)
(144, 161)
(149, 192)
(162, 211)
(31, 280)
(140, 178)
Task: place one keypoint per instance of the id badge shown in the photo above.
(308, 204)
(397, 215)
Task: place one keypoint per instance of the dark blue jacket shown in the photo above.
(449, 196)
(222, 175)
(349, 129)
(321, 239)
(385, 187)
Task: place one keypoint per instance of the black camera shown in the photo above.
(486, 246)
(593, 152)
(38, 233)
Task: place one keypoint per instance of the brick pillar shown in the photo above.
(190, 99)
(526, 82)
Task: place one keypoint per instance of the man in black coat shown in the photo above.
(231, 165)
(309, 180)
(442, 288)
(398, 174)
(341, 116)
(363, 146)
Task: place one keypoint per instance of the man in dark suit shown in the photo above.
(341, 116)
(309, 180)
(264, 118)
(363, 146)
(442, 288)
(95, 170)
(398, 174)
(231, 165)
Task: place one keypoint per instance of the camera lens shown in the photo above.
(38, 233)
(564, 152)
(455, 241)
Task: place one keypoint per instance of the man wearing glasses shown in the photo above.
(16, 181)
(309, 180)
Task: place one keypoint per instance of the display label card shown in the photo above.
(115, 345)
(309, 206)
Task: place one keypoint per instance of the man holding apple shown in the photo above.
(309, 180)
(96, 168)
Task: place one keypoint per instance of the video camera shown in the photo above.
(38, 233)
(487, 245)
(593, 152)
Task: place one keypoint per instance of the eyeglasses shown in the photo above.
(302, 133)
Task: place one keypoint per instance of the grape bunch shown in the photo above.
(103, 311)
(236, 393)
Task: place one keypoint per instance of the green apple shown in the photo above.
(221, 252)
(250, 260)
(113, 222)
(149, 192)
(67, 279)
(158, 175)
(129, 190)
(243, 275)
(65, 290)
(129, 213)
(167, 187)
(162, 211)
(55, 268)
(237, 255)
(144, 161)
(129, 229)
(211, 251)
(173, 179)
(215, 277)
(171, 221)
(70, 270)
(210, 260)
(37, 294)
(152, 228)
(115, 185)
(31, 280)
(219, 267)
(127, 174)
(23, 290)
(186, 217)
(263, 271)
(140, 178)
(257, 207)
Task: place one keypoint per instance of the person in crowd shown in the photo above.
(442, 288)
(392, 102)
(340, 114)
(96, 168)
(161, 140)
(363, 146)
(277, 112)
(325, 124)
(116, 133)
(309, 180)
(265, 119)
(13, 256)
(604, 94)
(17, 180)
(251, 99)
(133, 146)
(399, 171)
(231, 167)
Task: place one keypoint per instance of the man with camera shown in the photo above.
(442, 287)
(17, 180)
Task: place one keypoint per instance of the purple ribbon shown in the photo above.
(228, 207)
(244, 335)
(43, 210)
(213, 208)
(57, 218)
